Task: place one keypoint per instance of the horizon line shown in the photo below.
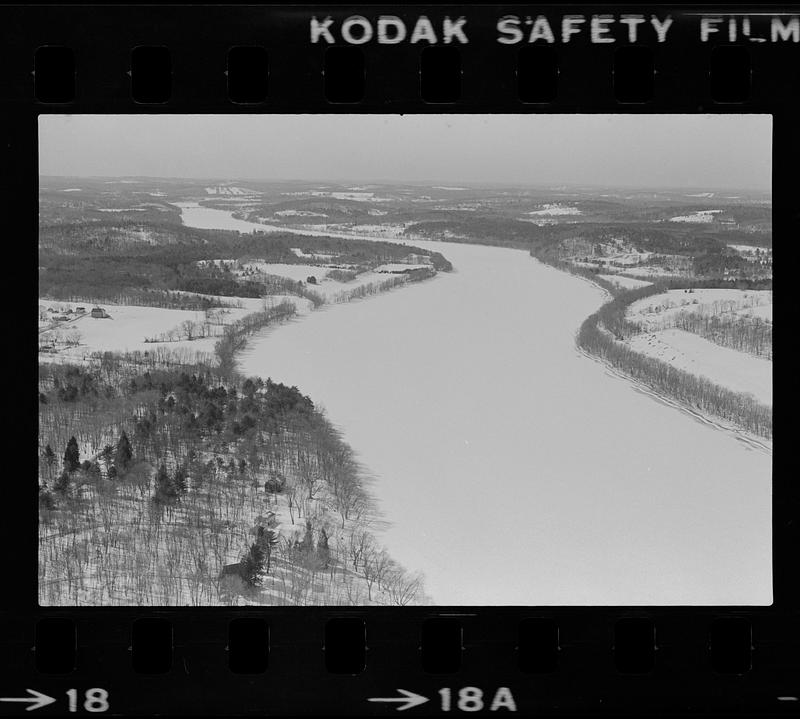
(472, 184)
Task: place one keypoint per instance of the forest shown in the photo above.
(182, 487)
(109, 259)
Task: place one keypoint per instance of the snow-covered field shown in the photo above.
(325, 286)
(357, 196)
(738, 371)
(699, 216)
(626, 283)
(652, 311)
(556, 209)
(127, 327)
(312, 255)
(764, 312)
(735, 370)
(299, 273)
(299, 213)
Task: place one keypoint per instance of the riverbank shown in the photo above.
(600, 337)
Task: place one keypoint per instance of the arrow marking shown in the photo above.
(39, 700)
(408, 700)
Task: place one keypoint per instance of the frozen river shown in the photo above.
(512, 469)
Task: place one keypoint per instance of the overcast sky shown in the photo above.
(715, 151)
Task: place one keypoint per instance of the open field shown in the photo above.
(127, 328)
(737, 371)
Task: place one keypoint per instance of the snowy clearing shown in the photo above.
(700, 216)
(299, 213)
(127, 326)
(312, 255)
(763, 311)
(735, 370)
(652, 311)
(357, 196)
(556, 210)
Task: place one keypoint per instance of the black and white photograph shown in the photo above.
(396, 360)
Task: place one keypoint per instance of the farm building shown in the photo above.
(80, 310)
(98, 312)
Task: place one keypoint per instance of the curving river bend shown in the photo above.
(512, 469)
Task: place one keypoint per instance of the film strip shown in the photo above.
(79, 653)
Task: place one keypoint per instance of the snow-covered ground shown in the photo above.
(325, 286)
(556, 209)
(735, 370)
(399, 267)
(229, 190)
(127, 326)
(699, 216)
(652, 311)
(764, 312)
(738, 371)
(357, 196)
(299, 213)
(292, 272)
(626, 283)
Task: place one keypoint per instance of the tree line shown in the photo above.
(600, 335)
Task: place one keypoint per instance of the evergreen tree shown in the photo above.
(72, 455)
(179, 480)
(323, 550)
(124, 453)
(165, 488)
(252, 564)
(267, 540)
(62, 483)
(306, 545)
(106, 455)
(45, 498)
